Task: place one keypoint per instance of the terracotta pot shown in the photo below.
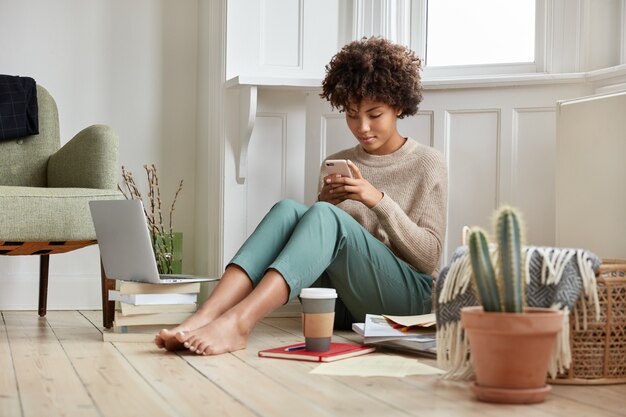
(510, 352)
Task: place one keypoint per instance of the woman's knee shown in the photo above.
(289, 206)
(329, 212)
(324, 207)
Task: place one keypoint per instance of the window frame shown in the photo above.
(418, 40)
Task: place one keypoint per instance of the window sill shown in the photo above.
(440, 83)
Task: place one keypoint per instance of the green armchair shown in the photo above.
(45, 190)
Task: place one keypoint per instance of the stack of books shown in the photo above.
(416, 334)
(146, 308)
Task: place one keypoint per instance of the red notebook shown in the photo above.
(337, 351)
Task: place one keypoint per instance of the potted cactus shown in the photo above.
(510, 345)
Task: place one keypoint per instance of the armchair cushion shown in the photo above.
(32, 214)
(88, 160)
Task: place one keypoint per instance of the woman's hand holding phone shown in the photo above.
(338, 188)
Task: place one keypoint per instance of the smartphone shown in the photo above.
(338, 166)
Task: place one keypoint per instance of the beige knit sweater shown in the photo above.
(411, 217)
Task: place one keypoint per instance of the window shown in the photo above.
(476, 32)
(474, 37)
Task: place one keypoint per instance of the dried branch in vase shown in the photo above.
(162, 240)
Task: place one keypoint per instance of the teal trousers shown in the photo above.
(323, 245)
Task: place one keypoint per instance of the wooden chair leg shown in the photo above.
(108, 307)
(44, 263)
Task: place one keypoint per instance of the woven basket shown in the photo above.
(599, 349)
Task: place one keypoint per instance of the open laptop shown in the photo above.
(125, 244)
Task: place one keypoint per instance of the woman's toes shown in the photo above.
(158, 341)
(181, 336)
(191, 343)
(201, 347)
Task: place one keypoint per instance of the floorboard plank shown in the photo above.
(340, 399)
(253, 389)
(285, 388)
(9, 395)
(572, 399)
(46, 378)
(179, 384)
(62, 367)
(205, 381)
(114, 384)
(440, 394)
(402, 393)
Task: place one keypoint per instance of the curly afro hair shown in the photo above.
(376, 69)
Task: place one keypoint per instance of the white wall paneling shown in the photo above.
(267, 182)
(282, 37)
(473, 147)
(542, 43)
(532, 176)
(623, 33)
(419, 127)
(281, 33)
(326, 133)
(600, 25)
(336, 135)
(563, 36)
(575, 28)
(276, 162)
(210, 139)
(419, 10)
(234, 198)
(590, 174)
(498, 141)
(388, 18)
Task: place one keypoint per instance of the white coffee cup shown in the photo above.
(318, 316)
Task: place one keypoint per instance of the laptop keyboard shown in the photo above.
(177, 276)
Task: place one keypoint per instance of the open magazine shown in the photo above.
(410, 333)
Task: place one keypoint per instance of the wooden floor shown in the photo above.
(58, 366)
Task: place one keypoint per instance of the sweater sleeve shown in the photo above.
(419, 234)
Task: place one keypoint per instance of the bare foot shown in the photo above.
(166, 339)
(225, 334)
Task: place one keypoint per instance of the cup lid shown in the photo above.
(318, 293)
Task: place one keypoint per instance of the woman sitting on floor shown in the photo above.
(377, 237)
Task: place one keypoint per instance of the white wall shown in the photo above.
(499, 144)
(275, 164)
(128, 64)
(498, 134)
(155, 71)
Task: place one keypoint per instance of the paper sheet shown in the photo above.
(425, 320)
(376, 365)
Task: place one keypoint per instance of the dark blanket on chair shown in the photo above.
(18, 107)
